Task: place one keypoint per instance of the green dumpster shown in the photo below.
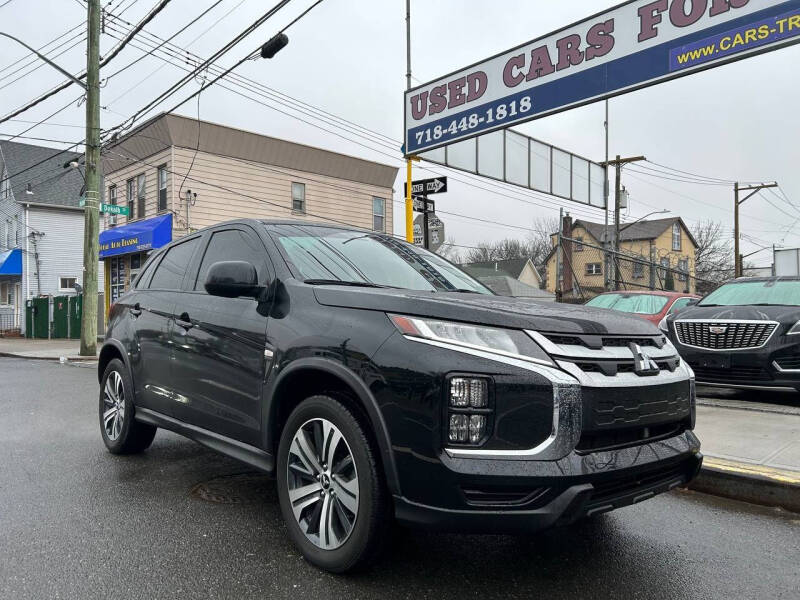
(61, 317)
(37, 318)
(75, 313)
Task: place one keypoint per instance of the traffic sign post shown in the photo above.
(425, 187)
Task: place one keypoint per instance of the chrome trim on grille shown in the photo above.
(780, 369)
(710, 322)
(566, 432)
(606, 353)
(623, 380)
(567, 409)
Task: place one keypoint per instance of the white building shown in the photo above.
(41, 228)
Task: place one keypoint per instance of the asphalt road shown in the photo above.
(77, 522)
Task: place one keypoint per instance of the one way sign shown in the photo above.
(424, 187)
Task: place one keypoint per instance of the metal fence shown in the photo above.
(9, 324)
(585, 270)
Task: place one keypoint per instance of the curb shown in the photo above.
(749, 483)
(50, 358)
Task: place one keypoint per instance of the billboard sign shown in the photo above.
(637, 44)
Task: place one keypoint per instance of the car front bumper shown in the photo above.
(745, 369)
(560, 492)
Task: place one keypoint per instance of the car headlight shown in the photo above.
(795, 330)
(505, 342)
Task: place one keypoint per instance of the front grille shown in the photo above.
(614, 440)
(724, 335)
(739, 374)
(623, 342)
(612, 368)
(597, 342)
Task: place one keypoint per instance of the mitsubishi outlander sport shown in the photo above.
(377, 382)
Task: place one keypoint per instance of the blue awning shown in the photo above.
(11, 262)
(136, 237)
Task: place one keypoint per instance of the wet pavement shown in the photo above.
(183, 522)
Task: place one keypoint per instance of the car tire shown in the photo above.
(316, 498)
(120, 432)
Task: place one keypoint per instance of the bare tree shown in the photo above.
(536, 246)
(450, 251)
(714, 257)
(540, 240)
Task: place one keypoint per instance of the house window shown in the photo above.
(594, 269)
(162, 188)
(16, 231)
(141, 194)
(299, 197)
(638, 270)
(378, 214)
(112, 199)
(579, 246)
(683, 269)
(676, 236)
(130, 191)
(9, 234)
(66, 284)
(4, 187)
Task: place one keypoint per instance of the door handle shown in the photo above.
(136, 310)
(184, 321)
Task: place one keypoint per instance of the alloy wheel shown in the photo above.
(322, 484)
(113, 405)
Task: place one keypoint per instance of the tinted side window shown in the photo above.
(231, 244)
(144, 277)
(679, 303)
(170, 271)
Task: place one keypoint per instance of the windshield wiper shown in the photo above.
(350, 283)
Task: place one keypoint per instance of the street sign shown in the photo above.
(637, 44)
(423, 205)
(436, 234)
(425, 187)
(111, 209)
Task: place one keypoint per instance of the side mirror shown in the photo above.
(232, 279)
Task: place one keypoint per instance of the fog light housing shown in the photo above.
(468, 410)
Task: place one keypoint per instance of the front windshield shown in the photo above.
(641, 304)
(742, 293)
(328, 254)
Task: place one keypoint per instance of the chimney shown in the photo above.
(566, 235)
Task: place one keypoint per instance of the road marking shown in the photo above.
(745, 469)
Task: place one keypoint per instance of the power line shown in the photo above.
(151, 74)
(114, 51)
(218, 54)
(50, 116)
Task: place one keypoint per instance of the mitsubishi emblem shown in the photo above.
(643, 365)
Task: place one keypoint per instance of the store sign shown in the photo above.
(136, 237)
(637, 44)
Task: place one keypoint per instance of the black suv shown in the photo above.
(377, 381)
(745, 334)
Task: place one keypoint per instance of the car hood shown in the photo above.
(497, 311)
(782, 314)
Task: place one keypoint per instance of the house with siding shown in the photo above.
(652, 248)
(175, 175)
(41, 227)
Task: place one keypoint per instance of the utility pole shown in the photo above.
(409, 161)
(753, 189)
(91, 211)
(618, 164)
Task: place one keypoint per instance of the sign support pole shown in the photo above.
(425, 226)
(409, 201)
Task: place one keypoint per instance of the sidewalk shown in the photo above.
(42, 349)
(752, 452)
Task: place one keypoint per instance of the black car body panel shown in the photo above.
(564, 438)
(773, 364)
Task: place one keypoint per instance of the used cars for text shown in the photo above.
(377, 381)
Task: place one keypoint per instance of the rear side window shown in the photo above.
(141, 281)
(170, 271)
(231, 244)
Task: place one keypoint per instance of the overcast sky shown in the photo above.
(348, 57)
